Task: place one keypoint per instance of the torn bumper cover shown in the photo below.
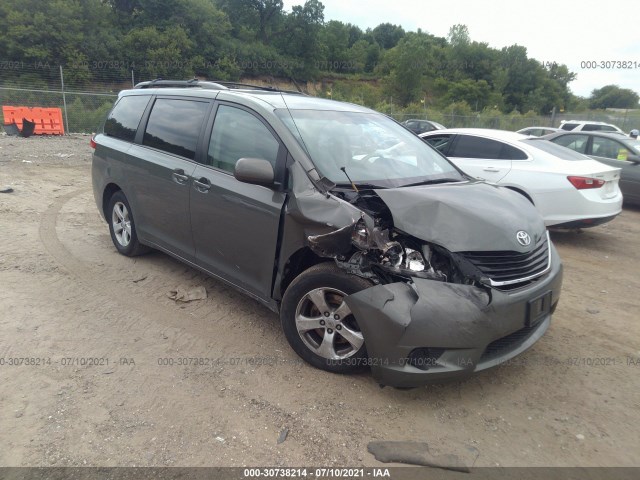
(431, 331)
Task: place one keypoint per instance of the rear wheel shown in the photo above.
(122, 227)
(317, 322)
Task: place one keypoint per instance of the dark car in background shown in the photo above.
(421, 126)
(612, 149)
(375, 254)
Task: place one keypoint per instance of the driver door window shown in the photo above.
(607, 148)
(239, 134)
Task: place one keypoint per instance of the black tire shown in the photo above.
(122, 226)
(335, 345)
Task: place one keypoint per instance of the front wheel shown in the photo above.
(317, 322)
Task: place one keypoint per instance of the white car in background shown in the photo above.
(569, 189)
(589, 126)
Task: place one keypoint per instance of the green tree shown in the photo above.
(262, 18)
(334, 40)
(612, 96)
(387, 35)
(58, 32)
(159, 53)
(405, 66)
(300, 39)
(476, 94)
(458, 35)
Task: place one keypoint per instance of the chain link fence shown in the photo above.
(83, 104)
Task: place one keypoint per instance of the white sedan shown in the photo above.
(569, 189)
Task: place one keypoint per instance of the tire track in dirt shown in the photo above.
(147, 313)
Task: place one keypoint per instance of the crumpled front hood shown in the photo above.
(464, 217)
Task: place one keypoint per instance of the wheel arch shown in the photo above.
(521, 192)
(108, 192)
(301, 260)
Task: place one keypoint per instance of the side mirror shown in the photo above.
(254, 170)
(633, 158)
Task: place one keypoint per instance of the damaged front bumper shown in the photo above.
(430, 331)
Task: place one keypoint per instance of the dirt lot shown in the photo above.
(66, 296)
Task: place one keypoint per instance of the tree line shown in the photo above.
(99, 40)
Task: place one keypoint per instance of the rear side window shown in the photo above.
(174, 126)
(239, 134)
(125, 117)
(476, 147)
(574, 142)
(568, 126)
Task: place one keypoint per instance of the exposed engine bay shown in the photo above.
(373, 248)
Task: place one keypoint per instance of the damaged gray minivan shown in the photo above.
(376, 251)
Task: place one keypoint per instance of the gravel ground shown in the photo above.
(67, 296)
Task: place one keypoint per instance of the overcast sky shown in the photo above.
(562, 31)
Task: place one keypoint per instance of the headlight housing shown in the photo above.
(360, 235)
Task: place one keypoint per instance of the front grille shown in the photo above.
(509, 267)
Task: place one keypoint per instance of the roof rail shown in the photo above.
(237, 85)
(193, 83)
(215, 85)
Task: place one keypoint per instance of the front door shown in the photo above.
(235, 225)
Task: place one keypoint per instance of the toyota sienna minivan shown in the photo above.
(374, 249)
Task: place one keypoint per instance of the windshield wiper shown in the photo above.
(360, 186)
(434, 182)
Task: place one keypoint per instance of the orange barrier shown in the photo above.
(48, 120)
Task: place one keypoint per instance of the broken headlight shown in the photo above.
(398, 258)
(414, 260)
(360, 235)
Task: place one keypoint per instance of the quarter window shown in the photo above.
(174, 126)
(512, 153)
(125, 117)
(439, 142)
(239, 134)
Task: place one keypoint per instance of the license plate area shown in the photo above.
(538, 308)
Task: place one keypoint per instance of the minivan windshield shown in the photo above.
(368, 147)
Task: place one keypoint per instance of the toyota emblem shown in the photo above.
(523, 238)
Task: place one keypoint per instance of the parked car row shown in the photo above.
(573, 126)
(569, 189)
(612, 149)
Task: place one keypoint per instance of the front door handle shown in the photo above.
(179, 176)
(491, 169)
(202, 185)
